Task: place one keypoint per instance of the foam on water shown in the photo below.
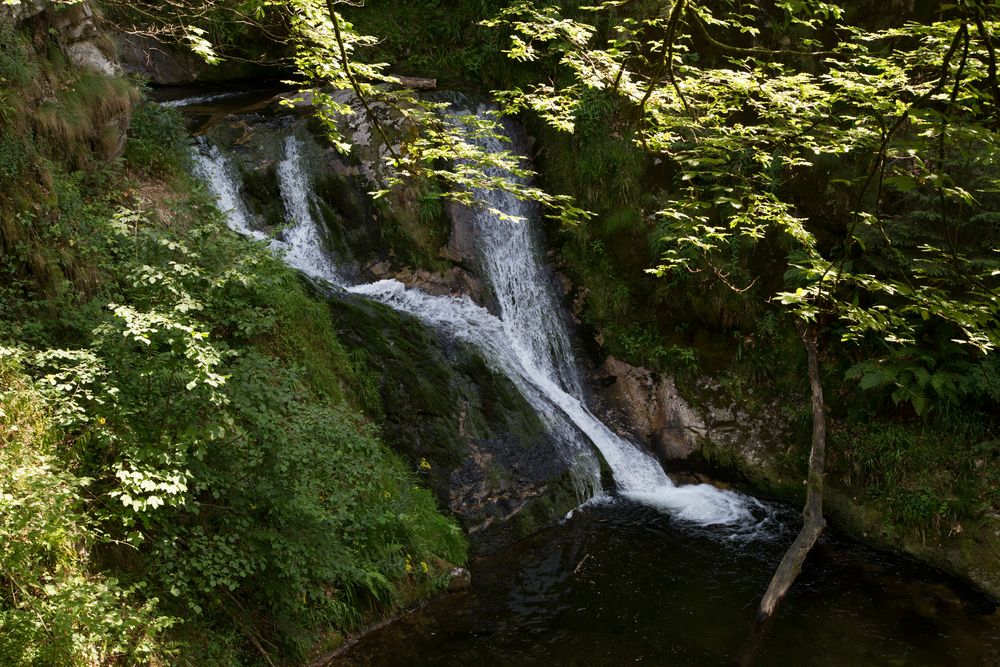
(303, 242)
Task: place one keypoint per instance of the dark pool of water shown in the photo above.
(623, 584)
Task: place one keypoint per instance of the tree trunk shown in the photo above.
(812, 513)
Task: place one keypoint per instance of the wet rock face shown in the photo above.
(652, 409)
(461, 248)
(649, 406)
(468, 432)
(170, 64)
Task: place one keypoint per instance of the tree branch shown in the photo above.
(742, 51)
(372, 118)
(812, 514)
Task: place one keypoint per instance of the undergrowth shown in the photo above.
(928, 474)
(186, 475)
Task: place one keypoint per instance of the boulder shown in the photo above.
(87, 54)
(75, 28)
(162, 64)
(653, 409)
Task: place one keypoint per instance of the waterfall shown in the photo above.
(199, 99)
(303, 241)
(528, 343)
(462, 319)
(637, 474)
(214, 170)
(510, 257)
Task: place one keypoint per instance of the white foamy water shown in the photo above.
(638, 475)
(198, 99)
(303, 241)
(215, 171)
(528, 343)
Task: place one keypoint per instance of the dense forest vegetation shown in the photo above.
(188, 473)
(786, 196)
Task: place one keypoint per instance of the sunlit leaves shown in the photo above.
(743, 128)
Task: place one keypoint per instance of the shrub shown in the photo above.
(157, 143)
(54, 610)
(209, 401)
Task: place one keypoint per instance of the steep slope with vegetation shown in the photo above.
(187, 475)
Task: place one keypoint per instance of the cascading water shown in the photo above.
(637, 474)
(302, 242)
(511, 260)
(212, 167)
(528, 343)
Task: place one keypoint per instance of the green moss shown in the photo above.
(18, 67)
(925, 474)
(436, 398)
(559, 499)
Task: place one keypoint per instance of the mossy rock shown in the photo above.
(464, 427)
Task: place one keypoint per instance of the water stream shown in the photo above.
(622, 584)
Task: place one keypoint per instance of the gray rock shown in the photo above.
(88, 54)
(653, 409)
(461, 247)
(162, 64)
(76, 30)
(24, 10)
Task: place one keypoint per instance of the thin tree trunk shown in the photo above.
(812, 513)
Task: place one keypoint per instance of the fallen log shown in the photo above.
(417, 83)
(812, 514)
